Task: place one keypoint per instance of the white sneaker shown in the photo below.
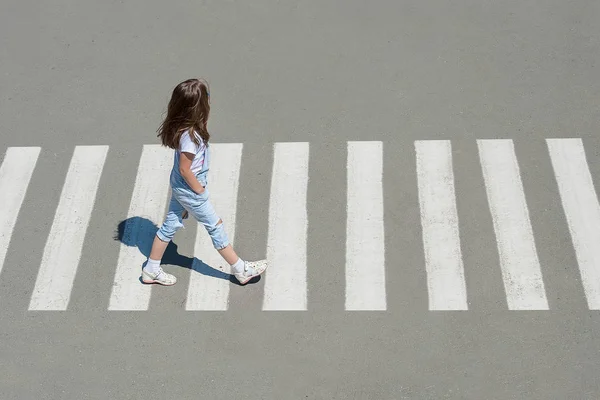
(251, 270)
(161, 277)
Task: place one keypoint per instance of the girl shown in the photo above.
(184, 130)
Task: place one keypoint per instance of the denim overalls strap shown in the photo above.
(202, 176)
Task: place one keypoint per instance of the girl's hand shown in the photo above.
(185, 163)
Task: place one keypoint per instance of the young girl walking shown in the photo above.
(185, 130)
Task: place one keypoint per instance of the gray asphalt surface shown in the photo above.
(84, 72)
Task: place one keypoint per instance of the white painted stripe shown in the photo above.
(209, 281)
(62, 253)
(518, 256)
(580, 203)
(285, 287)
(15, 175)
(439, 220)
(147, 208)
(365, 238)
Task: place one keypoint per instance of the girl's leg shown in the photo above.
(204, 213)
(152, 272)
(158, 249)
(228, 254)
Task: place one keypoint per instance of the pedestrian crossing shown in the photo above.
(518, 255)
(206, 292)
(15, 174)
(286, 287)
(63, 248)
(365, 253)
(439, 219)
(580, 203)
(150, 196)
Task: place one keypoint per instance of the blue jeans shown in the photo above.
(197, 205)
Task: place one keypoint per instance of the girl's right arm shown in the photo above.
(185, 164)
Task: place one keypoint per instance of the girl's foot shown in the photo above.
(251, 270)
(160, 277)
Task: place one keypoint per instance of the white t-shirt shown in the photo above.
(187, 145)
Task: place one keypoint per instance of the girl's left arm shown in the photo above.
(185, 165)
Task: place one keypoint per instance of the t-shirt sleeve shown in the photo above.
(187, 145)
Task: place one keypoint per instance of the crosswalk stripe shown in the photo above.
(285, 287)
(148, 202)
(514, 235)
(365, 240)
(62, 252)
(209, 285)
(439, 218)
(15, 175)
(580, 204)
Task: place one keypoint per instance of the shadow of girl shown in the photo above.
(139, 232)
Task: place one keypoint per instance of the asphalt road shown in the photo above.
(323, 72)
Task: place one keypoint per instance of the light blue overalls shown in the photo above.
(197, 205)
